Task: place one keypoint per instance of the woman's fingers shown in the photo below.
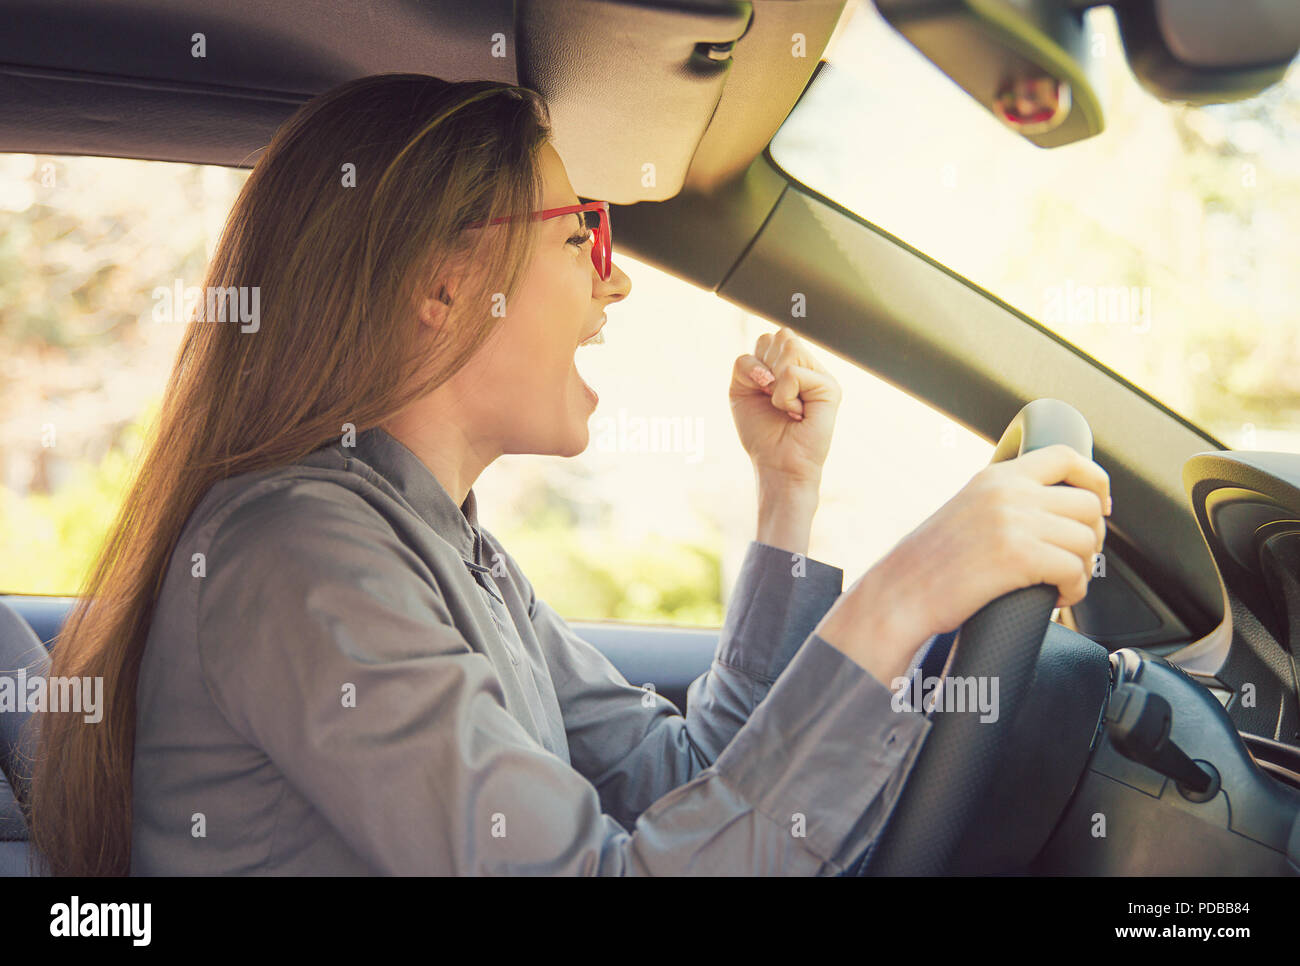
(1065, 571)
(786, 391)
(1070, 518)
(1061, 464)
(784, 348)
(1077, 504)
(783, 367)
(797, 386)
(750, 372)
(1069, 535)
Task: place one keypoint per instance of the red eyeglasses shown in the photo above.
(602, 246)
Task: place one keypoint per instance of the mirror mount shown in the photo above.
(1027, 61)
(1208, 51)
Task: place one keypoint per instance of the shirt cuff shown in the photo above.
(826, 754)
(778, 599)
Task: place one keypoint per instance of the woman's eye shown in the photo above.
(581, 238)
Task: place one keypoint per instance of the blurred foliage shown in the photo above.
(591, 573)
(585, 572)
(51, 539)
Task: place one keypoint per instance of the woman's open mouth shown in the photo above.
(595, 338)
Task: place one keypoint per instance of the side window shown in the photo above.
(84, 356)
(651, 523)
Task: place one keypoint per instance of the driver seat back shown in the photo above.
(20, 650)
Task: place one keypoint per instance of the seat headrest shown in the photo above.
(20, 650)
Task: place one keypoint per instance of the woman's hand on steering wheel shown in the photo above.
(1009, 527)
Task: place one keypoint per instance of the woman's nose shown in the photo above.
(616, 287)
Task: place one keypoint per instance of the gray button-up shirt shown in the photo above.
(345, 673)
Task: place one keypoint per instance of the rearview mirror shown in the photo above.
(1022, 59)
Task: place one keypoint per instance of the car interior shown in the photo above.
(1166, 700)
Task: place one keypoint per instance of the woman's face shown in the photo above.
(521, 392)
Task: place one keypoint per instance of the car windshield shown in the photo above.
(1164, 247)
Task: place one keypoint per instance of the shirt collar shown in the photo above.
(458, 525)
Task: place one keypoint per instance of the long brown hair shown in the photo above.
(342, 257)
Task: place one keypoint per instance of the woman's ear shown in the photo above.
(433, 311)
(448, 277)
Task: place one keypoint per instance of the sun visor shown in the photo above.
(632, 85)
(592, 59)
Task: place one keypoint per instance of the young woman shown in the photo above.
(317, 661)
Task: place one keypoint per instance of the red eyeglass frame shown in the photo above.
(602, 246)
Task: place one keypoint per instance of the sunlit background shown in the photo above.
(1165, 247)
(1194, 209)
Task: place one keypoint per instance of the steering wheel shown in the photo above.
(1002, 641)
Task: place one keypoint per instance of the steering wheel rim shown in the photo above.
(1000, 641)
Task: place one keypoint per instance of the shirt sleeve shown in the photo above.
(634, 744)
(326, 644)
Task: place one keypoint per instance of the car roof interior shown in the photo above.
(695, 87)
